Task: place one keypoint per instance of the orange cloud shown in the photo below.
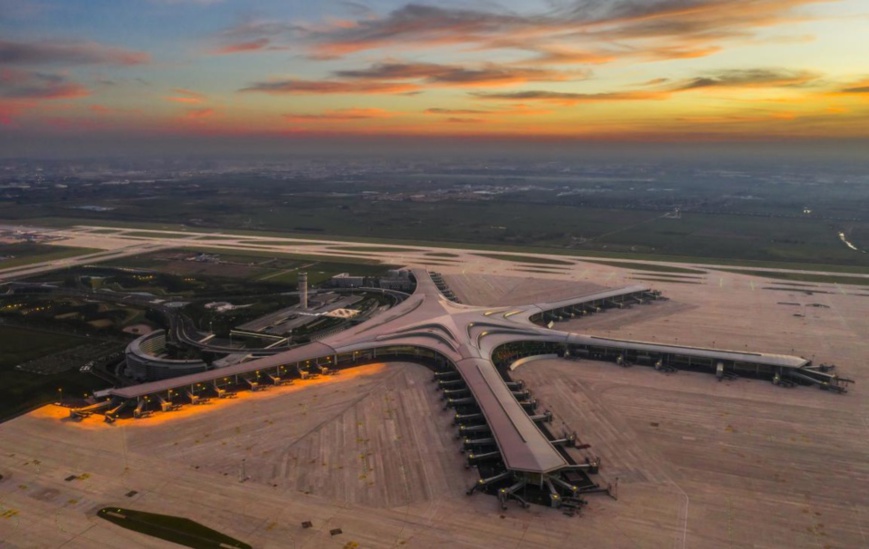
(54, 52)
(678, 22)
(584, 32)
(525, 110)
(559, 55)
(198, 114)
(463, 120)
(749, 78)
(31, 85)
(22, 91)
(436, 110)
(10, 110)
(243, 47)
(568, 98)
(662, 88)
(515, 110)
(280, 87)
(489, 74)
(856, 88)
(186, 96)
(339, 115)
(664, 53)
(385, 77)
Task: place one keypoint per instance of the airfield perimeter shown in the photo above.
(700, 463)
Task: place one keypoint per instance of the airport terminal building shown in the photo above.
(472, 351)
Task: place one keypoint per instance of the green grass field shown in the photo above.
(272, 242)
(21, 391)
(384, 249)
(153, 234)
(180, 530)
(660, 279)
(21, 344)
(28, 254)
(822, 279)
(321, 271)
(526, 259)
(646, 267)
(729, 240)
(272, 267)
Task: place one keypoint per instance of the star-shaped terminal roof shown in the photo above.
(467, 336)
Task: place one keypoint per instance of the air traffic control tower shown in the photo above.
(303, 290)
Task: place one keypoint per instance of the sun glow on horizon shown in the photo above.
(657, 70)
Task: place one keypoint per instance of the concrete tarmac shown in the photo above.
(700, 463)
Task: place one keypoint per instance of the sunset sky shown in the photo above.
(660, 70)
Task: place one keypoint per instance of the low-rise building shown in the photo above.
(346, 280)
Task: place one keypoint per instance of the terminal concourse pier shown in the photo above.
(473, 351)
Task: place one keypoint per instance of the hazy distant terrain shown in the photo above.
(719, 209)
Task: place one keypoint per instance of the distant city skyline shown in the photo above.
(178, 75)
